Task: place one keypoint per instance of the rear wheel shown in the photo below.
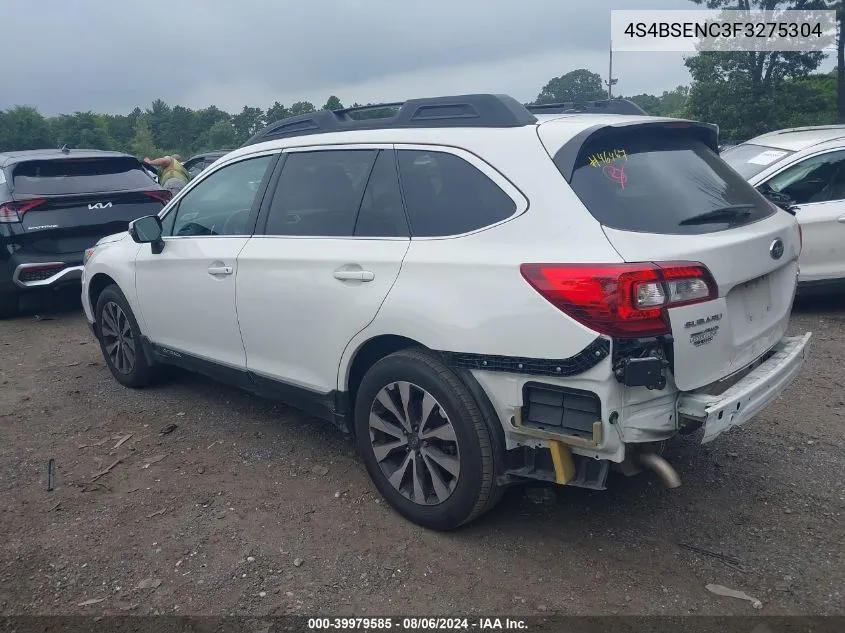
(120, 340)
(424, 441)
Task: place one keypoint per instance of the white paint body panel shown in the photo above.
(296, 317)
(184, 307)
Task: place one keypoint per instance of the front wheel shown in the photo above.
(120, 340)
(424, 441)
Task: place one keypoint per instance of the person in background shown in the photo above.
(172, 174)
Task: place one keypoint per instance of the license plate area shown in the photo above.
(755, 297)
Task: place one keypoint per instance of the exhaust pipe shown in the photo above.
(664, 469)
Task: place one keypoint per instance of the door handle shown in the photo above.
(841, 218)
(220, 270)
(354, 275)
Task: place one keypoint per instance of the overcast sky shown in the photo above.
(113, 55)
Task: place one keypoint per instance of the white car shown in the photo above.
(807, 165)
(479, 295)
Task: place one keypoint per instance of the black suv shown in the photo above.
(56, 203)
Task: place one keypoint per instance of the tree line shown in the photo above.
(745, 93)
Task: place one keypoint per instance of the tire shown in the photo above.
(128, 363)
(9, 305)
(454, 455)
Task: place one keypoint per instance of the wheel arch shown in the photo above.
(374, 349)
(98, 283)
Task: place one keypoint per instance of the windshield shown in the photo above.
(656, 182)
(749, 159)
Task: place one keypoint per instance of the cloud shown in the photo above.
(111, 56)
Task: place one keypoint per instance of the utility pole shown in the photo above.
(610, 80)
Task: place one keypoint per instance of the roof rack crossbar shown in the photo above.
(604, 106)
(474, 110)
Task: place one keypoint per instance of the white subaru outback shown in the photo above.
(481, 294)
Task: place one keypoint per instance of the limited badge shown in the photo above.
(704, 337)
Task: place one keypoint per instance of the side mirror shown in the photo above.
(147, 230)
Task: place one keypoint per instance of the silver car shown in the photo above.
(806, 166)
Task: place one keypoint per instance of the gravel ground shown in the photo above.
(252, 508)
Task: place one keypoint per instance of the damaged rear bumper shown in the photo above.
(750, 395)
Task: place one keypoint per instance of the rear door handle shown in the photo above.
(841, 218)
(354, 275)
(220, 270)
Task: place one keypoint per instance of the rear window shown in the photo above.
(652, 181)
(79, 175)
(749, 160)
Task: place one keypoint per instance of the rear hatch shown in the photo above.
(662, 194)
(65, 205)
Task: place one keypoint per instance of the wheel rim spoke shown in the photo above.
(380, 424)
(399, 474)
(405, 396)
(446, 462)
(108, 321)
(441, 490)
(116, 332)
(428, 405)
(381, 451)
(419, 476)
(445, 432)
(387, 402)
(414, 443)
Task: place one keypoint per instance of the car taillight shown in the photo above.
(14, 211)
(622, 300)
(163, 196)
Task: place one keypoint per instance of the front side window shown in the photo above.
(445, 195)
(221, 204)
(319, 193)
(816, 179)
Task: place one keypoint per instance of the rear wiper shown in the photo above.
(722, 214)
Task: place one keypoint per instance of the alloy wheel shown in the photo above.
(414, 443)
(116, 333)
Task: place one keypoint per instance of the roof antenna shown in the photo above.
(65, 149)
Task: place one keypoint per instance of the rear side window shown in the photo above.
(382, 213)
(319, 193)
(79, 175)
(652, 181)
(445, 195)
(749, 160)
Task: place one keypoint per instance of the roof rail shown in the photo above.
(475, 110)
(605, 106)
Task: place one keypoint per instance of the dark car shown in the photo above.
(195, 164)
(54, 204)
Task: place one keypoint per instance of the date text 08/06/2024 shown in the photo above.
(418, 624)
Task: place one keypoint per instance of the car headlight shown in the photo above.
(89, 252)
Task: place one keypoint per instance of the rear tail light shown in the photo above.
(622, 300)
(14, 211)
(162, 196)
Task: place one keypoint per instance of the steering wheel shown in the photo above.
(231, 221)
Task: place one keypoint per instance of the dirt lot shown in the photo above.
(247, 507)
